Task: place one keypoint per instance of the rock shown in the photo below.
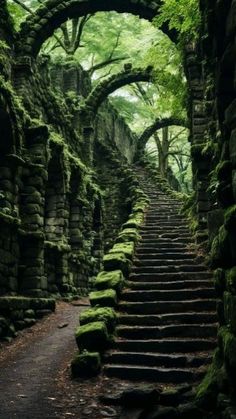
(113, 280)
(104, 314)
(92, 336)
(116, 261)
(189, 411)
(140, 396)
(170, 398)
(87, 364)
(131, 414)
(161, 412)
(106, 298)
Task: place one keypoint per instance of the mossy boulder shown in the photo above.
(231, 280)
(127, 248)
(86, 364)
(92, 336)
(219, 280)
(230, 218)
(128, 235)
(221, 250)
(230, 310)
(106, 298)
(206, 396)
(113, 280)
(104, 314)
(228, 344)
(116, 261)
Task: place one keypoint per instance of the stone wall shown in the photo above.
(217, 54)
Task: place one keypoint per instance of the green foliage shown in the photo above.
(182, 15)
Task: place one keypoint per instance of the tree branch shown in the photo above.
(104, 63)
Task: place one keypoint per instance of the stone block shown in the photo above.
(87, 364)
(113, 280)
(106, 298)
(104, 314)
(92, 336)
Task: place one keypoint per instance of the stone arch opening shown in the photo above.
(53, 13)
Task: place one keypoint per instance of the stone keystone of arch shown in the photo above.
(105, 88)
(38, 27)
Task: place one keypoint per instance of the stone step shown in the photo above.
(164, 242)
(166, 235)
(146, 262)
(161, 226)
(190, 360)
(170, 331)
(153, 374)
(171, 285)
(162, 251)
(147, 255)
(165, 345)
(168, 269)
(160, 307)
(168, 295)
(166, 319)
(169, 276)
(153, 220)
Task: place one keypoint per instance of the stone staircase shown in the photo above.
(167, 317)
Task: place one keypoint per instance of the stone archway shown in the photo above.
(39, 27)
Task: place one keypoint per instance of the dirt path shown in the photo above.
(33, 367)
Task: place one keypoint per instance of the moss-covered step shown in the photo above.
(104, 314)
(113, 280)
(87, 364)
(128, 235)
(114, 261)
(105, 298)
(92, 336)
(127, 248)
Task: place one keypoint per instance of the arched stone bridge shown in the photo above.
(48, 17)
(116, 81)
(157, 124)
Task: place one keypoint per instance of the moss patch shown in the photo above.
(230, 218)
(126, 248)
(87, 364)
(114, 261)
(113, 280)
(106, 298)
(231, 280)
(230, 310)
(104, 314)
(128, 235)
(208, 389)
(92, 336)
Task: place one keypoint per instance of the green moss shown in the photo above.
(231, 280)
(224, 170)
(128, 235)
(220, 250)
(219, 280)
(104, 314)
(114, 261)
(227, 342)
(127, 248)
(230, 218)
(106, 298)
(230, 311)
(92, 336)
(113, 280)
(87, 364)
(206, 395)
